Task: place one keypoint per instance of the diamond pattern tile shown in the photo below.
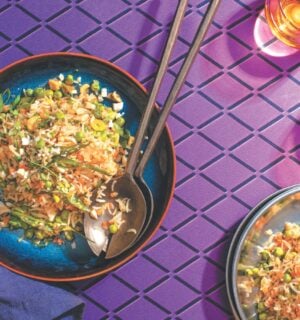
(171, 246)
(45, 9)
(235, 127)
(199, 233)
(65, 23)
(200, 110)
(188, 144)
(15, 30)
(247, 112)
(179, 300)
(226, 91)
(226, 131)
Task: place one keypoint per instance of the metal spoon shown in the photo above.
(122, 241)
(200, 34)
(126, 186)
(116, 245)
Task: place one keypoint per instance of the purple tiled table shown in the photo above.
(235, 127)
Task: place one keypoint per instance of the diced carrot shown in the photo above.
(54, 84)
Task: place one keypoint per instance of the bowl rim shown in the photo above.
(173, 157)
(239, 238)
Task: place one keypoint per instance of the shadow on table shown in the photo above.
(138, 65)
(252, 34)
(217, 303)
(286, 172)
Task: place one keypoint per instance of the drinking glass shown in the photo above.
(283, 17)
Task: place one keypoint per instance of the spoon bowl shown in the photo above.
(133, 221)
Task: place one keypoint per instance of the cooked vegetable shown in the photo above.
(58, 144)
(277, 276)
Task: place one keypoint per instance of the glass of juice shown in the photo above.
(283, 17)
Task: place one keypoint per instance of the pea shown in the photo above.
(120, 121)
(64, 215)
(287, 277)
(56, 198)
(111, 115)
(278, 252)
(29, 233)
(39, 92)
(40, 144)
(69, 79)
(262, 316)
(57, 95)
(265, 255)
(116, 138)
(58, 219)
(95, 86)
(249, 272)
(49, 93)
(48, 184)
(255, 271)
(59, 115)
(69, 235)
(113, 228)
(98, 111)
(102, 136)
(261, 307)
(289, 233)
(79, 136)
(39, 234)
(29, 92)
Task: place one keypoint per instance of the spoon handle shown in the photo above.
(139, 137)
(205, 23)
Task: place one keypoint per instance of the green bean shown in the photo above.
(76, 202)
(1, 103)
(65, 215)
(16, 101)
(73, 163)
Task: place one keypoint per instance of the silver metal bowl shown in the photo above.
(272, 213)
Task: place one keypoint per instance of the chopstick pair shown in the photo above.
(194, 49)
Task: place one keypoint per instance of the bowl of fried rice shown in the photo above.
(67, 124)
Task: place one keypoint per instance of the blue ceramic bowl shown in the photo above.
(64, 263)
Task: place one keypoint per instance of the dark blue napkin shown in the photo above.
(25, 299)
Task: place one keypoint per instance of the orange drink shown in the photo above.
(283, 17)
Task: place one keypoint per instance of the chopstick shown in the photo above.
(194, 49)
(139, 137)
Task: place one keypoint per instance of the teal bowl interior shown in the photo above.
(77, 262)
